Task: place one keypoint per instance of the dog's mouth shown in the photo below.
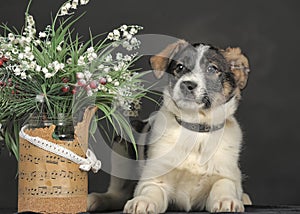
(194, 102)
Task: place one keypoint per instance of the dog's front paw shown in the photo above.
(227, 205)
(141, 205)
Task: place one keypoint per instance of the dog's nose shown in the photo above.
(188, 85)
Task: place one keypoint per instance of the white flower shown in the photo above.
(81, 61)
(92, 56)
(56, 66)
(125, 44)
(116, 68)
(116, 34)
(127, 58)
(106, 70)
(90, 50)
(74, 5)
(40, 98)
(45, 70)
(123, 27)
(15, 51)
(63, 11)
(121, 65)
(11, 36)
(30, 20)
(29, 56)
(32, 65)
(30, 31)
(21, 41)
(69, 60)
(133, 31)
(23, 75)
(116, 83)
(37, 42)
(134, 41)
(87, 75)
(62, 66)
(50, 66)
(83, 2)
(108, 58)
(119, 56)
(109, 79)
(21, 56)
(38, 68)
(42, 34)
(128, 36)
(110, 36)
(59, 48)
(17, 71)
(125, 33)
(48, 75)
(68, 5)
(27, 49)
(28, 40)
(7, 55)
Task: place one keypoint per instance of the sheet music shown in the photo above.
(43, 174)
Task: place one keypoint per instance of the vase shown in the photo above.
(50, 183)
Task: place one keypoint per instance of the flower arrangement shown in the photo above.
(53, 72)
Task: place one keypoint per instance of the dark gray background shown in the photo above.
(267, 31)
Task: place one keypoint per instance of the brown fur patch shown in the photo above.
(239, 65)
(159, 62)
(227, 89)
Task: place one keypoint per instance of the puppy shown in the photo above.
(195, 141)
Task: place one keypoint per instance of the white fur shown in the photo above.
(189, 169)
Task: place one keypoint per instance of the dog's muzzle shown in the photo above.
(188, 89)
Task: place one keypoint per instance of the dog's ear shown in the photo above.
(239, 65)
(160, 62)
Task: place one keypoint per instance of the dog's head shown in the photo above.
(201, 76)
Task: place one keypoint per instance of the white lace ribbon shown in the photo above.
(87, 164)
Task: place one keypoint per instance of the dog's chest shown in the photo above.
(191, 189)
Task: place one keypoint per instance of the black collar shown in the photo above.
(198, 127)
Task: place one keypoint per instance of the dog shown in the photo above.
(194, 140)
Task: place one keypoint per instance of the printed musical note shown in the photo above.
(42, 190)
(43, 174)
(56, 190)
(52, 159)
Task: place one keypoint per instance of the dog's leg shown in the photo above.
(225, 196)
(120, 190)
(150, 197)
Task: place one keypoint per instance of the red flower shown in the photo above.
(102, 81)
(93, 84)
(73, 91)
(65, 80)
(65, 89)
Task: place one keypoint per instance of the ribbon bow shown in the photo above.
(91, 162)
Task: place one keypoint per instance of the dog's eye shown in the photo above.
(179, 67)
(212, 69)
